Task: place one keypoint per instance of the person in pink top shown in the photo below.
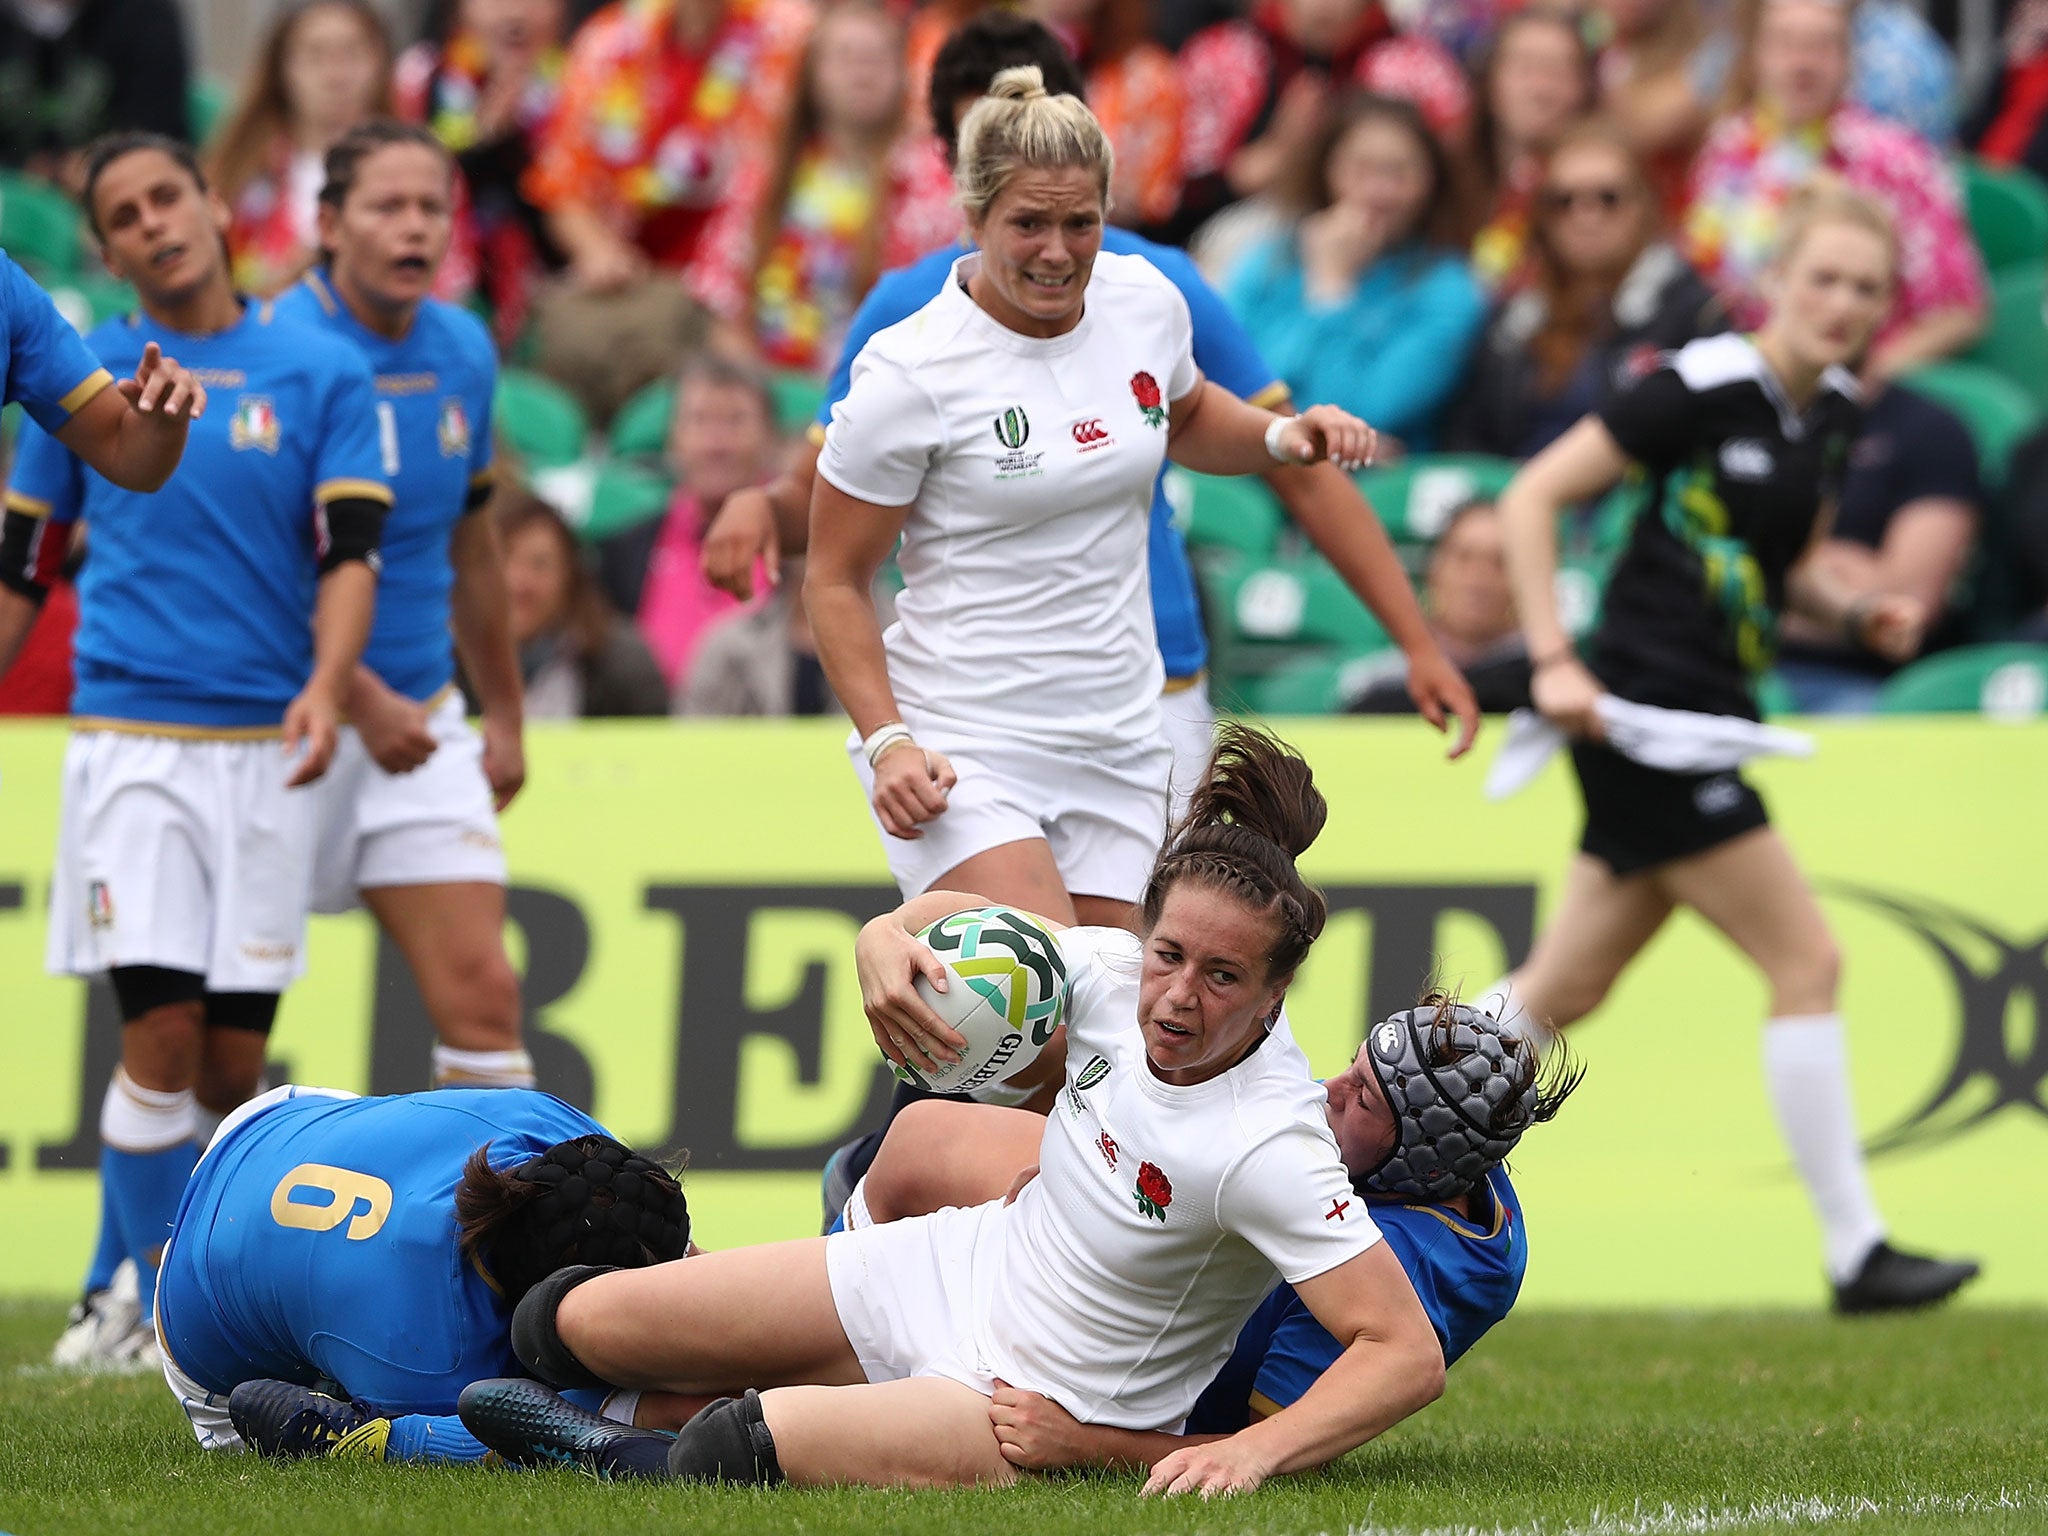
(721, 439)
(1790, 123)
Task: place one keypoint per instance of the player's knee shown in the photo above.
(728, 1442)
(163, 1046)
(537, 1337)
(900, 1181)
(478, 1000)
(1808, 981)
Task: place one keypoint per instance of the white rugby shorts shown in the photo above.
(912, 1295)
(182, 852)
(1102, 811)
(433, 826)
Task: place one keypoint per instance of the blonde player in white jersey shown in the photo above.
(1007, 727)
(1188, 1162)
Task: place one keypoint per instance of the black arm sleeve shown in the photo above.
(349, 529)
(479, 495)
(22, 570)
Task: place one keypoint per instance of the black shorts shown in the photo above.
(1638, 818)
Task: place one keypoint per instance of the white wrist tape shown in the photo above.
(1274, 428)
(882, 738)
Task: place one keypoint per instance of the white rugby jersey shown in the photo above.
(1160, 1214)
(1028, 466)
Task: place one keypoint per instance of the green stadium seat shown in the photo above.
(2015, 340)
(87, 301)
(640, 429)
(1997, 412)
(1774, 696)
(540, 419)
(797, 398)
(1415, 497)
(625, 494)
(1226, 513)
(206, 102)
(2004, 682)
(2008, 210)
(40, 227)
(1312, 685)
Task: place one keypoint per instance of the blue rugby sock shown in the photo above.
(146, 1157)
(108, 1253)
(432, 1437)
(143, 1189)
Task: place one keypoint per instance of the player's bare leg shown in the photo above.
(453, 937)
(1753, 891)
(923, 1432)
(718, 1322)
(941, 1152)
(1020, 874)
(1600, 924)
(230, 1071)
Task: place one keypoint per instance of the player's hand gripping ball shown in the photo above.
(1006, 992)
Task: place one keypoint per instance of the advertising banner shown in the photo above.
(685, 901)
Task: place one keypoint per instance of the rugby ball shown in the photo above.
(1006, 991)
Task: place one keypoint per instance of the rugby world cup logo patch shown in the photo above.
(254, 424)
(1013, 428)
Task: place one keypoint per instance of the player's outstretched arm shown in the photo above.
(341, 627)
(761, 524)
(1039, 1435)
(1347, 532)
(482, 618)
(1392, 1366)
(1214, 433)
(1579, 466)
(134, 433)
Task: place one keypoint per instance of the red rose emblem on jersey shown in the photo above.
(1155, 1191)
(1145, 389)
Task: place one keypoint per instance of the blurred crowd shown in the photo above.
(1465, 220)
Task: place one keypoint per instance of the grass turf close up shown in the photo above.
(1559, 1424)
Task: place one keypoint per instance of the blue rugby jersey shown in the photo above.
(196, 605)
(48, 369)
(434, 394)
(1223, 351)
(319, 1239)
(1466, 1275)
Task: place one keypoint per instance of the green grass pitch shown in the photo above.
(1557, 1425)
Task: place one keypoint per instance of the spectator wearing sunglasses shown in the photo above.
(1601, 298)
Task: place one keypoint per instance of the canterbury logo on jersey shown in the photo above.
(1091, 434)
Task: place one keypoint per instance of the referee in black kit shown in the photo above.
(1743, 440)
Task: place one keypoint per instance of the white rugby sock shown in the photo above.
(621, 1406)
(481, 1069)
(857, 1213)
(138, 1119)
(1806, 1067)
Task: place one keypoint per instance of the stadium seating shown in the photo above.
(206, 102)
(1997, 412)
(540, 419)
(798, 398)
(1415, 497)
(640, 429)
(2004, 682)
(2015, 341)
(625, 494)
(1312, 685)
(2008, 210)
(39, 227)
(1234, 515)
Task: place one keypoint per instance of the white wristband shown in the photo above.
(1274, 428)
(882, 739)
